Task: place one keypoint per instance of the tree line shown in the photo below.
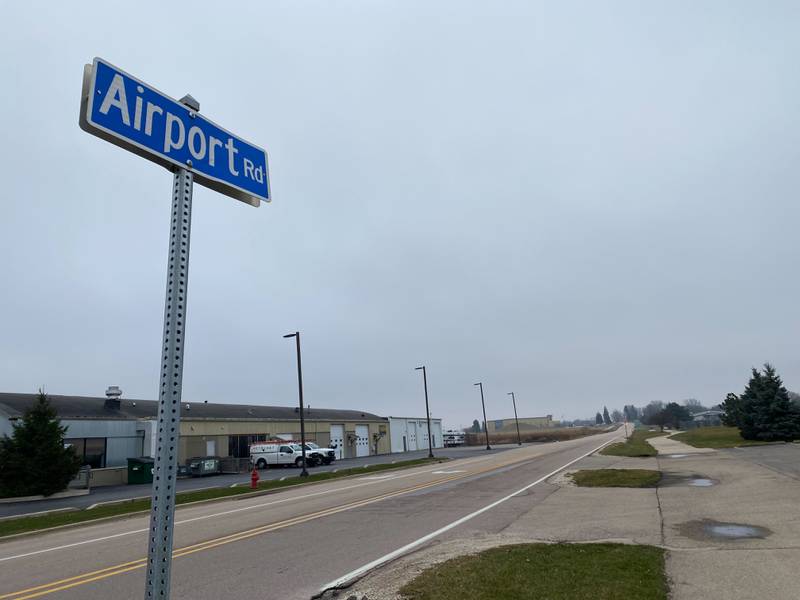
(765, 411)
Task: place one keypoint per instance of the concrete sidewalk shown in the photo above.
(666, 445)
(701, 489)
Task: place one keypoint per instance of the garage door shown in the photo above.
(362, 440)
(337, 440)
(412, 435)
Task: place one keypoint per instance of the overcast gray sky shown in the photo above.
(587, 203)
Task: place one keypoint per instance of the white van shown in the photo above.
(276, 453)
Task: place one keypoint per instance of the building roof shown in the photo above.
(85, 407)
(709, 413)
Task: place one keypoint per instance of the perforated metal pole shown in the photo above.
(159, 554)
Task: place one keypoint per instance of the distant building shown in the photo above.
(107, 431)
(708, 418)
(525, 423)
(408, 434)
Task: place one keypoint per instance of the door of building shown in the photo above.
(211, 447)
(362, 440)
(337, 440)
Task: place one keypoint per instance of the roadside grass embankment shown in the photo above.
(716, 437)
(556, 434)
(632, 478)
(129, 507)
(636, 445)
(552, 571)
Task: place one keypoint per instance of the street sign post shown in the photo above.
(128, 113)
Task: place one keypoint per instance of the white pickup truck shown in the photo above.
(271, 454)
(320, 455)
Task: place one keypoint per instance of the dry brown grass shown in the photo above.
(537, 435)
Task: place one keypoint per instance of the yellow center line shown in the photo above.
(85, 578)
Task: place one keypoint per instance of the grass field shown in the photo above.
(715, 437)
(533, 435)
(635, 478)
(35, 523)
(547, 571)
(635, 446)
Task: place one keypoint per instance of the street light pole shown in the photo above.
(514, 400)
(485, 422)
(296, 336)
(427, 410)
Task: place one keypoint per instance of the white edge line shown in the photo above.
(344, 579)
(217, 514)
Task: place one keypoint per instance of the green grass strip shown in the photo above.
(547, 571)
(38, 522)
(634, 478)
(716, 437)
(635, 446)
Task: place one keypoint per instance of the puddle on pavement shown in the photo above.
(675, 456)
(708, 529)
(701, 482)
(683, 479)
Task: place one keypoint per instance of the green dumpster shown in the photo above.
(140, 470)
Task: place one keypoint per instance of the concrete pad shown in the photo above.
(746, 493)
(575, 514)
(666, 445)
(739, 574)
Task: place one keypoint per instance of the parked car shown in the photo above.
(321, 455)
(453, 438)
(267, 454)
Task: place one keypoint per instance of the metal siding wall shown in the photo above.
(122, 440)
(6, 428)
(436, 430)
(397, 429)
(119, 450)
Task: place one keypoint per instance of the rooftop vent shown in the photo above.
(113, 395)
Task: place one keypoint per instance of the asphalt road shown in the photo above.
(291, 543)
(783, 458)
(126, 492)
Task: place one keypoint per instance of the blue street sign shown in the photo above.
(129, 113)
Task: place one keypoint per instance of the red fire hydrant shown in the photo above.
(254, 479)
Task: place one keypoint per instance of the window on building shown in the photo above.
(91, 451)
(239, 445)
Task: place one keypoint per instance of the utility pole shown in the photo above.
(427, 409)
(514, 400)
(296, 336)
(485, 422)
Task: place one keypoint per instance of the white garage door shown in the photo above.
(412, 436)
(337, 440)
(362, 440)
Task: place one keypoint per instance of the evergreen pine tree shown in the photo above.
(606, 417)
(767, 413)
(732, 405)
(598, 419)
(33, 460)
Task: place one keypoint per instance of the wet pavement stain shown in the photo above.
(701, 482)
(683, 479)
(710, 530)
